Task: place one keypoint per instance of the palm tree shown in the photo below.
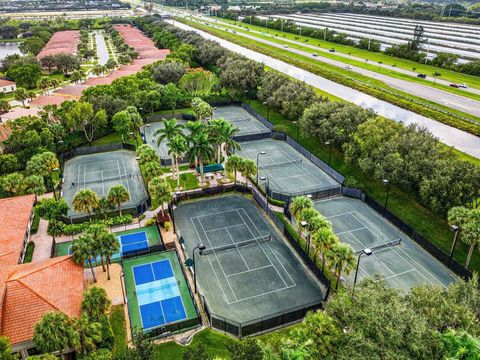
(31, 95)
(233, 164)
(97, 70)
(44, 83)
(307, 215)
(170, 129)
(343, 260)
(151, 169)
(21, 95)
(460, 345)
(83, 249)
(109, 246)
(194, 127)
(298, 204)
(55, 332)
(4, 106)
(201, 150)
(248, 168)
(89, 334)
(159, 191)
(323, 240)
(316, 223)
(118, 195)
(54, 83)
(85, 201)
(176, 148)
(104, 207)
(95, 303)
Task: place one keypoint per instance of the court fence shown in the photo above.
(314, 194)
(433, 250)
(214, 190)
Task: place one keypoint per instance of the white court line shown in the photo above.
(219, 263)
(103, 186)
(239, 252)
(349, 231)
(250, 270)
(214, 272)
(341, 214)
(406, 254)
(400, 274)
(128, 182)
(263, 294)
(216, 213)
(224, 228)
(273, 252)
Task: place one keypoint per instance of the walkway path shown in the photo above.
(43, 243)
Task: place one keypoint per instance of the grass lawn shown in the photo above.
(188, 181)
(29, 252)
(404, 205)
(115, 138)
(360, 82)
(215, 342)
(448, 75)
(117, 321)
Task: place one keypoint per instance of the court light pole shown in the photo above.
(367, 252)
(200, 247)
(246, 95)
(263, 178)
(329, 144)
(298, 130)
(260, 153)
(456, 229)
(268, 109)
(387, 183)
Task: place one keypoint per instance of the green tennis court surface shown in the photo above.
(99, 172)
(239, 117)
(150, 139)
(157, 292)
(403, 266)
(288, 171)
(260, 277)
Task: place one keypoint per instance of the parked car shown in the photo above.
(454, 85)
(464, 86)
(348, 67)
(285, 46)
(423, 76)
(315, 54)
(332, 50)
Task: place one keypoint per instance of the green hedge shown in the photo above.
(72, 229)
(35, 224)
(29, 252)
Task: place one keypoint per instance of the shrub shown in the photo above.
(162, 218)
(167, 225)
(72, 229)
(150, 222)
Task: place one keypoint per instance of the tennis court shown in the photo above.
(149, 130)
(288, 172)
(238, 116)
(99, 172)
(247, 271)
(404, 265)
(158, 295)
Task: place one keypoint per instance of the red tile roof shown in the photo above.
(37, 288)
(19, 112)
(5, 132)
(4, 82)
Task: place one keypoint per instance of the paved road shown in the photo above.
(102, 51)
(319, 50)
(439, 96)
(459, 139)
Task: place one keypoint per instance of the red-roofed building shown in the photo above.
(28, 291)
(7, 86)
(18, 112)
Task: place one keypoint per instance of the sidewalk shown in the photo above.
(43, 243)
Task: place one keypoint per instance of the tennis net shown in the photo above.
(268, 166)
(383, 246)
(239, 120)
(237, 245)
(106, 179)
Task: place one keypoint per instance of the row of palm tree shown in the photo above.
(321, 239)
(205, 143)
(46, 83)
(87, 200)
(236, 164)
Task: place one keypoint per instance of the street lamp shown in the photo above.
(329, 144)
(268, 109)
(298, 130)
(367, 252)
(300, 29)
(246, 95)
(456, 229)
(263, 178)
(387, 183)
(200, 247)
(260, 153)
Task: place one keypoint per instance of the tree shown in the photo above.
(297, 206)
(25, 75)
(159, 190)
(323, 240)
(83, 250)
(122, 123)
(221, 132)
(21, 94)
(247, 349)
(44, 83)
(84, 118)
(170, 129)
(203, 111)
(95, 303)
(248, 168)
(67, 63)
(44, 164)
(136, 120)
(5, 349)
(201, 150)
(55, 332)
(168, 72)
(51, 209)
(34, 184)
(343, 260)
(240, 76)
(89, 334)
(435, 75)
(8, 163)
(468, 221)
(85, 201)
(460, 345)
(104, 207)
(150, 170)
(12, 184)
(142, 347)
(49, 62)
(233, 164)
(199, 351)
(4, 106)
(109, 246)
(197, 82)
(176, 149)
(146, 154)
(118, 195)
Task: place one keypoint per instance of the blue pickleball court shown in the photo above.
(134, 242)
(158, 294)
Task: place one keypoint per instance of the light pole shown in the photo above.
(268, 109)
(386, 182)
(298, 130)
(303, 224)
(200, 248)
(263, 178)
(300, 29)
(367, 252)
(122, 275)
(260, 153)
(456, 229)
(329, 144)
(246, 95)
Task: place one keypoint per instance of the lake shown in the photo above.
(8, 48)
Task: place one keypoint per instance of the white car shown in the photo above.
(348, 67)
(285, 46)
(464, 86)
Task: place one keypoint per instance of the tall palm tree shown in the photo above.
(222, 132)
(307, 215)
(298, 204)
(21, 94)
(44, 83)
(194, 127)
(95, 303)
(316, 223)
(89, 334)
(201, 150)
(109, 246)
(54, 83)
(177, 148)
(233, 164)
(118, 195)
(323, 240)
(248, 168)
(104, 206)
(159, 191)
(86, 201)
(343, 260)
(170, 129)
(83, 250)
